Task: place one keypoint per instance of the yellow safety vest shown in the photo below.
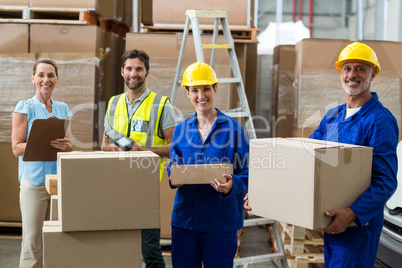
(144, 126)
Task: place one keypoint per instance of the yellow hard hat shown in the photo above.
(197, 74)
(358, 52)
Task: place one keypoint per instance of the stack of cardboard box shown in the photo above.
(118, 10)
(302, 96)
(87, 79)
(104, 199)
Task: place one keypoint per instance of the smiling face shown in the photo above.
(45, 79)
(356, 77)
(202, 97)
(134, 73)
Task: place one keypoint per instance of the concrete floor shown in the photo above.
(255, 242)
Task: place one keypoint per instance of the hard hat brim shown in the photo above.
(340, 63)
(199, 83)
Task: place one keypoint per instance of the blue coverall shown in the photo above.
(374, 126)
(204, 221)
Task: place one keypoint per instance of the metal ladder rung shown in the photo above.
(229, 80)
(225, 46)
(206, 13)
(236, 114)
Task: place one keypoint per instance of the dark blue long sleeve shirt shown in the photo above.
(200, 207)
(374, 126)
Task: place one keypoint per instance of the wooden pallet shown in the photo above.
(240, 35)
(306, 262)
(15, 14)
(304, 247)
(297, 240)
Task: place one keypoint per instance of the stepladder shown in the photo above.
(220, 24)
(219, 18)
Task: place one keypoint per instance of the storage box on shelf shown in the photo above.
(318, 81)
(283, 91)
(15, 38)
(156, 12)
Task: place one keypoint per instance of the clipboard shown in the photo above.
(43, 131)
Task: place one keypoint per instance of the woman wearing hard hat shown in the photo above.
(205, 217)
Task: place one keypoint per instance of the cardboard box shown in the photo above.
(14, 3)
(318, 81)
(283, 91)
(9, 185)
(108, 191)
(52, 38)
(15, 38)
(91, 249)
(51, 184)
(239, 12)
(297, 180)
(199, 174)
